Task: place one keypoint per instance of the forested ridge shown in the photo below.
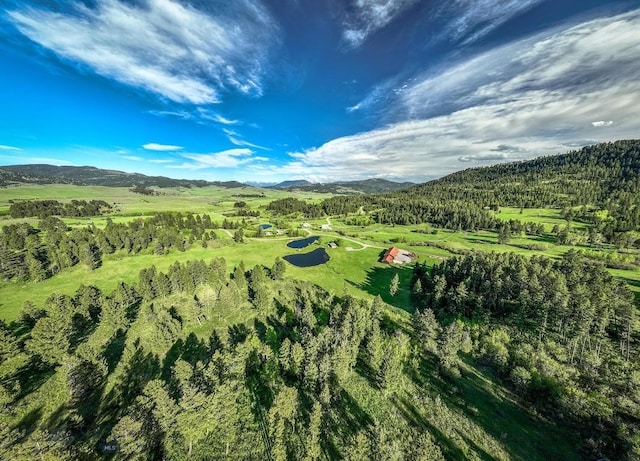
(595, 174)
(598, 184)
(86, 175)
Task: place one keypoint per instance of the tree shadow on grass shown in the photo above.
(29, 421)
(113, 350)
(31, 376)
(416, 419)
(478, 396)
(141, 368)
(345, 418)
(18, 328)
(378, 281)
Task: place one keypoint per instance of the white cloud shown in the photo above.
(133, 158)
(369, 16)
(158, 160)
(486, 157)
(225, 121)
(602, 123)
(535, 97)
(579, 59)
(5, 147)
(161, 147)
(231, 158)
(236, 141)
(174, 50)
(469, 20)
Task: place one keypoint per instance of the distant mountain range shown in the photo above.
(366, 186)
(91, 176)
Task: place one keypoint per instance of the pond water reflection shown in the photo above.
(313, 258)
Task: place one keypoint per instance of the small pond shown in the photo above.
(266, 226)
(297, 244)
(313, 258)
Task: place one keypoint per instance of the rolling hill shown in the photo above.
(91, 176)
(597, 174)
(366, 186)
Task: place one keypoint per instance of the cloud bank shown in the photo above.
(174, 50)
(534, 97)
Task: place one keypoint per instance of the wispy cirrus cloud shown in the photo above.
(469, 20)
(576, 60)
(368, 16)
(175, 50)
(224, 121)
(537, 96)
(22, 159)
(231, 158)
(5, 147)
(161, 147)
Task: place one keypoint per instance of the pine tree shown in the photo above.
(278, 269)
(395, 284)
(312, 442)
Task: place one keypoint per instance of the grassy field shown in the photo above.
(213, 200)
(495, 425)
(357, 272)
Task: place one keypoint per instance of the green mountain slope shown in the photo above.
(597, 174)
(91, 176)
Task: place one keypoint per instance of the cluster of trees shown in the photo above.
(562, 333)
(129, 372)
(131, 376)
(28, 253)
(292, 205)
(143, 190)
(338, 205)
(45, 208)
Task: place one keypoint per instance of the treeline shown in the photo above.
(605, 175)
(132, 377)
(45, 208)
(28, 253)
(339, 205)
(603, 180)
(593, 175)
(563, 333)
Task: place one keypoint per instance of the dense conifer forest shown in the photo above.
(602, 180)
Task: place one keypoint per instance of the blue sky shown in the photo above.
(323, 90)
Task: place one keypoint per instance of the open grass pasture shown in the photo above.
(353, 268)
(127, 205)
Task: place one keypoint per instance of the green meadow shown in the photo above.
(353, 267)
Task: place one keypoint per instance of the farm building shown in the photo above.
(397, 256)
